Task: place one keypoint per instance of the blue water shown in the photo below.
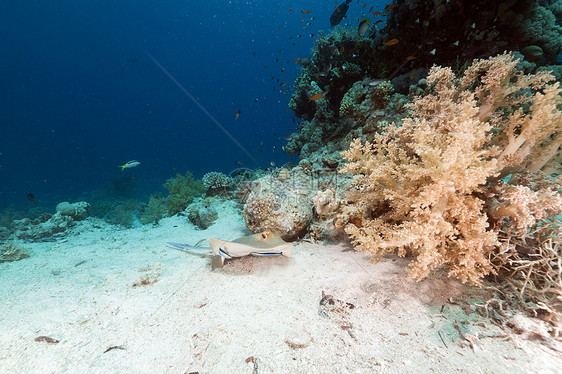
(80, 95)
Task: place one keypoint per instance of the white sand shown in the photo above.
(193, 319)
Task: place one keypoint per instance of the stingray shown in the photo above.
(262, 244)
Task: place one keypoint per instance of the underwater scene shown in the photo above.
(344, 186)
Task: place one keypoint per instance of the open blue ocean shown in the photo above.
(81, 94)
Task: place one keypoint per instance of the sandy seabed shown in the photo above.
(121, 301)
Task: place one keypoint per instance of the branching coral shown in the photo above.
(216, 182)
(532, 269)
(423, 186)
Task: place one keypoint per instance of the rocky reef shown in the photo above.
(426, 139)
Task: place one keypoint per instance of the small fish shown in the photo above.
(237, 115)
(391, 42)
(364, 5)
(363, 26)
(432, 52)
(272, 163)
(376, 82)
(315, 97)
(391, 6)
(297, 60)
(410, 58)
(379, 22)
(377, 13)
(31, 197)
(456, 44)
(305, 11)
(130, 164)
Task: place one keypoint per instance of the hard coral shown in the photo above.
(423, 186)
(216, 182)
(282, 208)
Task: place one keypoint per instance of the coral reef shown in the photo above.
(216, 183)
(325, 203)
(542, 31)
(422, 188)
(124, 213)
(182, 190)
(529, 267)
(42, 228)
(282, 207)
(202, 213)
(426, 33)
(155, 210)
(78, 211)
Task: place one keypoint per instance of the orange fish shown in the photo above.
(342, 49)
(315, 97)
(290, 9)
(364, 5)
(298, 60)
(412, 75)
(391, 42)
(305, 11)
(410, 58)
(377, 13)
(391, 6)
